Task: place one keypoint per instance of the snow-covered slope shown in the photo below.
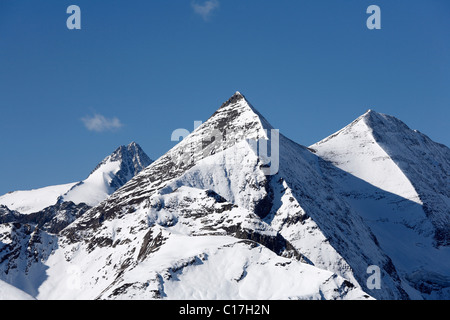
(30, 201)
(354, 148)
(184, 244)
(112, 173)
(8, 292)
(406, 203)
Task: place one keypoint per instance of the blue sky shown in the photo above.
(145, 68)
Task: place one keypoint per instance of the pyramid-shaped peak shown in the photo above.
(130, 155)
(383, 122)
(131, 149)
(237, 114)
(382, 127)
(368, 114)
(133, 144)
(235, 99)
(135, 149)
(373, 113)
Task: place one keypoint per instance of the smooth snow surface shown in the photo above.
(355, 150)
(96, 187)
(30, 201)
(8, 292)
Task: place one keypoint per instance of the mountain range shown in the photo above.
(362, 214)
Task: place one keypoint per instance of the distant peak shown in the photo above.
(135, 147)
(133, 144)
(132, 153)
(131, 148)
(377, 123)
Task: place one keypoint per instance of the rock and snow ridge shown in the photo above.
(53, 208)
(109, 175)
(205, 222)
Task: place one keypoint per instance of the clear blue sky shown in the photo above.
(311, 67)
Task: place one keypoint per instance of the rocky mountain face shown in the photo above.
(237, 210)
(23, 250)
(7, 215)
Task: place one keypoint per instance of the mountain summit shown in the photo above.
(385, 152)
(406, 203)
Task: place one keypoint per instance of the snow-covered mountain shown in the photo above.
(53, 208)
(109, 175)
(209, 220)
(407, 201)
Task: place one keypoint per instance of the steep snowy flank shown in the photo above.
(425, 163)
(354, 149)
(233, 122)
(405, 203)
(8, 292)
(307, 209)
